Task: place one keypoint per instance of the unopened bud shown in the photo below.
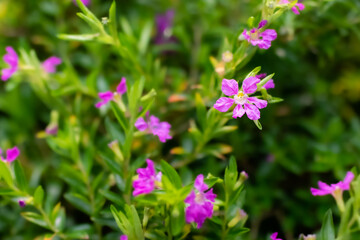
(241, 215)
(114, 146)
(227, 56)
(220, 68)
(308, 237)
(104, 20)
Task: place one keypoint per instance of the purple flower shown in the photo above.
(11, 154)
(51, 129)
(12, 59)
(296, 8)
(325, 189)
(108, 95)
(269, 84)
(147, 178)
(85, 2)
(154, 126)
(244, 103)
(22, 203)
(164, 23)
(49, 65)
(200, 203)
(123, 237)
(274, 236)
(260, 38)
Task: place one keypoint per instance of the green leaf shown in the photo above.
(79, 202)
(265, 80)
(78, 37)
(231, 175)
(38, 196)
(200, 110)
(275, 100)
(113, 23)
(253, 72)
(20, 176)
(119, 115)
(171, 174)
(327, 231)
(145, 37)
(5, 173)
(345, 217)
(177, 218)
(35, 218)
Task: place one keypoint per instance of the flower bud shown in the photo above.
(114, 146)
(227, 56)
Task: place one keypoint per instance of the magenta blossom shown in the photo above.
(147, 179)
(154, 126)
(12, 59)
(325, 189)
(164, 24)
(296, 8)
(244, 103)
(260, 38)
(269, 84)
(11, 154)
(108, 95)
(22, 203)
(123, 237)
(274, 236)
(200, 204)
(85, 2)
(49, 65)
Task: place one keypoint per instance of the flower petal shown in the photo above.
(252, 111)
(49, 65)
(250, 85)
(259, 103)
(238, 111)
(269, 84)
(229, 87)
(262, 24)
(121, 88)
(140, 124)
(199, 183)
(223, 104)
(269, 35)
(12, 154)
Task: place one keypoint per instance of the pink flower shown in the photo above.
(154, 126)
(108, 95)
(274, 236)
(85, 2)
(269, 84)
(12, 59)
(200, 203)
(296, 8)
(325, 189)
(123, 237)
(244, 103)
(11, 154)
(146, 181)
(260, 38)
(49, 65)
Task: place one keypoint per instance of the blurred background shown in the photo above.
(314, 134)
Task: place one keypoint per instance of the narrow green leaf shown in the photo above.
(35, 218)
(145, 37)
(79, 202)
(258, 124)
(253, 72)
(20, 176)
(78, 37)
(177, 218)
(5, 173)
(38, 196)
(327, 231)
(265, 80)
(200, 110)
(171, 174)
(113, 22)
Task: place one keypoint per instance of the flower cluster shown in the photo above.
(244, 103)
(11, 154)
(200, 203)
(109, 96)
(153, 125)
(260, 38)
(147, 179)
